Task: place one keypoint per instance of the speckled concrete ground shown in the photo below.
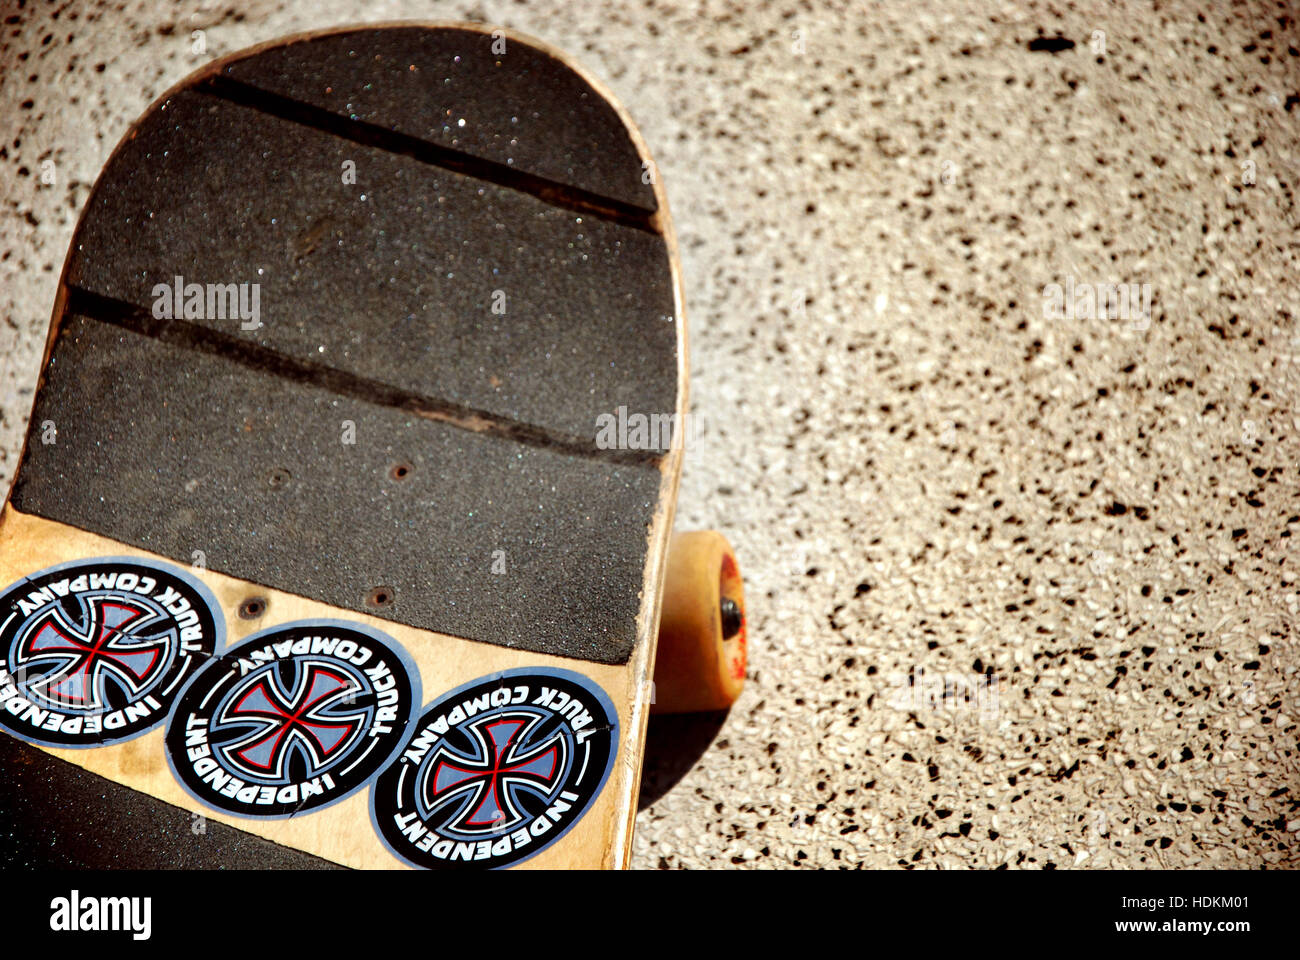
(1073, 534)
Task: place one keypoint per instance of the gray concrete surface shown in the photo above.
(925, 473)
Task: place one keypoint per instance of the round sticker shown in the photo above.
(95, 651)
(293, 719)
(498, 770)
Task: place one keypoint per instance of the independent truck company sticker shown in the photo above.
(497, 770)
(95, 651)
(293, 719)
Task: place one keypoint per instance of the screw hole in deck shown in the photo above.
(380, 597)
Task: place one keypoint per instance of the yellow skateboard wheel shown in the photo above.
(700, 664)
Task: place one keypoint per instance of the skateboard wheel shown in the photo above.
(700, 664)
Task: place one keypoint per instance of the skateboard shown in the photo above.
(342, 533)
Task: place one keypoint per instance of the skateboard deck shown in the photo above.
(320, 551)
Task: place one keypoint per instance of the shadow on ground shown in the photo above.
(673, 745)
